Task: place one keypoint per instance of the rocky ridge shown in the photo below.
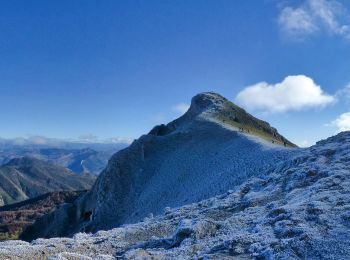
(195, 157)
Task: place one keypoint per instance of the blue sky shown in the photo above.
(117, 68)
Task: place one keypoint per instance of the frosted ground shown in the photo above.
(301, 209)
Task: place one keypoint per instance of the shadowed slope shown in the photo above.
(14, 217)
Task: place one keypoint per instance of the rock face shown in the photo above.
(298, 210)
(25, 178)
(212, 148)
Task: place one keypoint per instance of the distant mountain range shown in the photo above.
(38, 175)
(27, 177)
(78, 157)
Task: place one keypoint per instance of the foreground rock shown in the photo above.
(301, 209)
(212, 148)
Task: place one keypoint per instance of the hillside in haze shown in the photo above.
(79, 158)
(24, 178)
(212, 148)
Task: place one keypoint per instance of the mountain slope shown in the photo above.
(24, 178)
(298, 210)
(84, 160)
(192, 158)
(14, 217)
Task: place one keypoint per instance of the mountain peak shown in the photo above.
(202, 103)
(144, 178)
(210, 106)
(206, 100)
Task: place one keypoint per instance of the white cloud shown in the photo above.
(296, 22)
(314, 16)
(344, 93)
(88, 138)
(94, 139)
(293, 93)
(342, 122)
(181, 108)
(304, 143)
(119, 140)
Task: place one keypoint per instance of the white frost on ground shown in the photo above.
(301, 209)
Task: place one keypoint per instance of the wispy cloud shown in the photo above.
(344, 93)
(181, 108)
(342, 122)
(47, 141)
(91, 138)
(31, 140)
(293, 93)
(303, 143)
(119, 140)
(315, 16)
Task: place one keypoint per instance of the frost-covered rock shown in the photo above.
(299, 210)
(212, 148)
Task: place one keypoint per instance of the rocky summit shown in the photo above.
(213, 147)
